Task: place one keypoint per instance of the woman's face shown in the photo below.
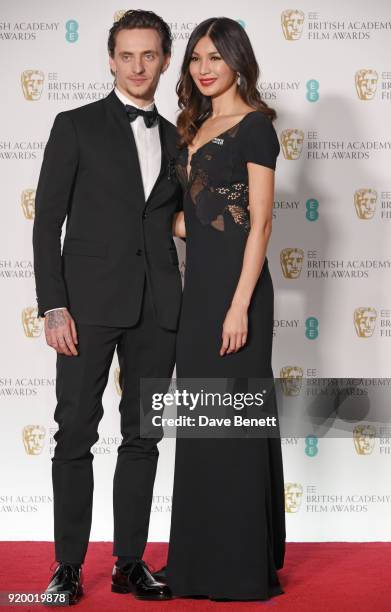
(209, 71)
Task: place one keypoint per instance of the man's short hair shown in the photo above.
(141, 19)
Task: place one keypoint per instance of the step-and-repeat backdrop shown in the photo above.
(326, 69)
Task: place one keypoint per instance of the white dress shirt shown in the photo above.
(148, 145)
(148, 149)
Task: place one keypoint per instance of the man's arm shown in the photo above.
(54, 189)
(56, 181)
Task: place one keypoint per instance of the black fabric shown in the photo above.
(257, 141)
(144, 350)
(150, 117)
(114, 238)
(122, 561)
(228, 518)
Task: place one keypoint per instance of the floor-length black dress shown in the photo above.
(228, 520)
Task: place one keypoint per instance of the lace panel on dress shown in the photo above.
(237, 195)
(211, 203)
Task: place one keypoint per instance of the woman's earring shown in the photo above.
(238, 79)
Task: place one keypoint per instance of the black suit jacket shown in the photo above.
(115, 239)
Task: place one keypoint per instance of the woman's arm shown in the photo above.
(261, 196)
(178, 225)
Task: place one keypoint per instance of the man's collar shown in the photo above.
(125, 100)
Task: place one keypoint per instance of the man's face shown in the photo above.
(138, 62)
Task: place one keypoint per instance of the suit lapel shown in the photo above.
(124, 140)
(163, 164)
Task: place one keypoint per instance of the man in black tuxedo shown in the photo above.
(108, 169)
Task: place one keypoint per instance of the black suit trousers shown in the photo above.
(145, 350)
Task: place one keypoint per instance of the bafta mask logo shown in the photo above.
(117, 380)
(293, 496)
(291, 260)
(32, 324)
(119, 14)
(366, 83)
(33, 439)
(364, 439)
(292, 143)
(365, 203)
(291, 380)
(32, 84)
(292, 21)
(28, 203)
(365, 321)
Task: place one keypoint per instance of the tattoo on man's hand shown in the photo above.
(56, 319)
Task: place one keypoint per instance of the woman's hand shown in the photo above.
(235, 329)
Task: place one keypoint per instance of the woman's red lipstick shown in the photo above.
(206, 82)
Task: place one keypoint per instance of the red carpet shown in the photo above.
(319, 577)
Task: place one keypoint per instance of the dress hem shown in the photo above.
(231, 597)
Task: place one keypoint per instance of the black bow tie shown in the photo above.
(150, 117)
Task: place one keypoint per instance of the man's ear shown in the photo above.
(112, 65)
(166, 64)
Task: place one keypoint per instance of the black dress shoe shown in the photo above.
(161, 575)
(137, 579)
(66, 580)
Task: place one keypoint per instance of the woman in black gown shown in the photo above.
(228, 523)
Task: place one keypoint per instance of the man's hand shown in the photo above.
(60, 332)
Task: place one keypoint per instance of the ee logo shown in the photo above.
(311, 206)
(312, 94)
(311, 328)
(71, 27)
(311, 445)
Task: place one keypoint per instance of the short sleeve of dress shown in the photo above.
(258, 140)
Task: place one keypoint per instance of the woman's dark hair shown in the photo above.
(141, 19)
(234, 46)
